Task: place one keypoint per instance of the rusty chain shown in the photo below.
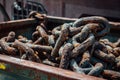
(75, 46)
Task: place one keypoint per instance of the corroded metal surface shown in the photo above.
(17, 24)
(60, 74)
(20, 23)
(84, 45)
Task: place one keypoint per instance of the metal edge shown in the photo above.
(52, 71)
(29, 21)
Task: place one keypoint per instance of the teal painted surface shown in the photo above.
(113, 36)
(20, 73)
(11, 76)
(26, 32)
(54, 78)
(44, 77)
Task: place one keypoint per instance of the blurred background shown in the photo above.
(18, 9)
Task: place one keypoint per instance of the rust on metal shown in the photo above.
(83, 46)
(26, 51)
(7, 49)
(63, 45)
(112, 75)
(62, 37)
(32, 21)
(17, 23)
(66, 54)
(59, 73)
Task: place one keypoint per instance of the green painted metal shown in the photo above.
(11, 76)
(19, 73)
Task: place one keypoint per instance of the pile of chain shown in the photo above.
(73, 46)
